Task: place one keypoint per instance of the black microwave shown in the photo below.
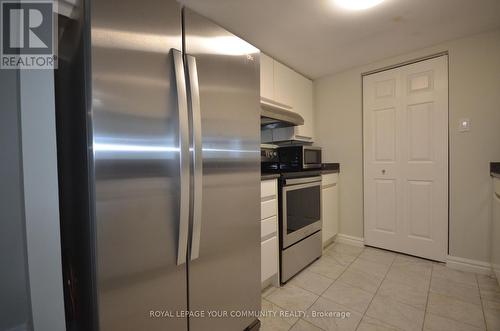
(298, 158)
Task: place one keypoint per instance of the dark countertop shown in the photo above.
(495, 169)
(329, 168)
(326, 168)
(269, 176)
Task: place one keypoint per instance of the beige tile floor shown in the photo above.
(382, 290)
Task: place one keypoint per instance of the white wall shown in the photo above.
(474, 92)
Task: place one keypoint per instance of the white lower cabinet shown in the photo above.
(329, 207)
(269, 233)
(267, 209)
(269, 256)
(269, 227)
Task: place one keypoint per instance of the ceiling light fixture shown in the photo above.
(357, 4)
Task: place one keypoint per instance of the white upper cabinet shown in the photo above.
(304, 106)
(284, 79)
(285, 86)
(266, 77)
(299, 91)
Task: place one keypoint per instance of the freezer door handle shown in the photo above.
(194, 93)
(180, 81)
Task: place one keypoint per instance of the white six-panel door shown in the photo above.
(405, 133)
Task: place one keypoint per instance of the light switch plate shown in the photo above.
(464, 125)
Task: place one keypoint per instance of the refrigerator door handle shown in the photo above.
(183, 156)
(194, 91)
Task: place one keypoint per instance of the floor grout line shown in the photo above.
(375, 294)
(460, 300)
(319, 296)
(347, 267)
(428, 296)
(482, 305)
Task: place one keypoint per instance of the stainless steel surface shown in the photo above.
(313, 165)
(226, 276)
(275, 115)
(295, 181)
(296, 157)
(138, 151)
(194, 98)
(298, 256)
(182, 109)
(297, 235)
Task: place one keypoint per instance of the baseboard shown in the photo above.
(458, 263)
(496, 272)
(350, 240)
(329, 241)
(463, 264)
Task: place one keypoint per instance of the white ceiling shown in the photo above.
(317, 38)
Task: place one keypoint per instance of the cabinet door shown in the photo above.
(329, 210)
(269, 258)
(303, 104)
(295, 90)
(266, 76)
(284, 78)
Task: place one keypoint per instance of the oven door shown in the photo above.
(301, 209)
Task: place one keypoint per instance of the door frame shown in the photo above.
(395, 66)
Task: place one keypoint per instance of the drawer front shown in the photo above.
(296, 257)
(268, 188)
(329, 179)
(268, 209)
(268, 227)
(269, 258)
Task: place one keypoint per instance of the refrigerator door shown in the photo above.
(139, 131)
(224, 268)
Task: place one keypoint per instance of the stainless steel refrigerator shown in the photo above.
(158, 131)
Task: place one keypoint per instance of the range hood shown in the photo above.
(276, 115)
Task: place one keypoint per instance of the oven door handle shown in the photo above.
(295, 181)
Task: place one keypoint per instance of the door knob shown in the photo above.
(383, 171)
